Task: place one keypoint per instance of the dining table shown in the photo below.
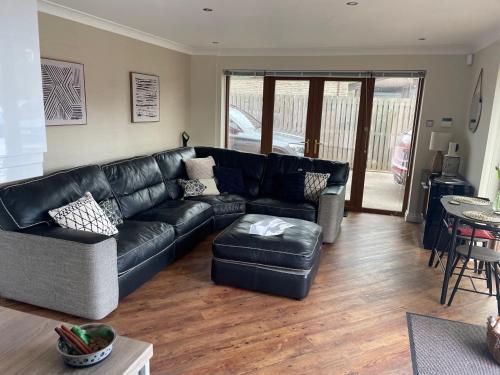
(455, 212)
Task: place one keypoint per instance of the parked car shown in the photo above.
(401, 157)
(245, 135)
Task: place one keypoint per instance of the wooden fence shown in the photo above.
(390, 118)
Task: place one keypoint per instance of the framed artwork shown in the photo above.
(145, 94)
(63, 85)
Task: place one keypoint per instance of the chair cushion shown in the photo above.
(138, 241)
(172, 167)
(26, 204)
(278, 164)
(137, 184)
(251, 165)
(297, 248)
(466, 231)
(274, 207)
(292, 187)
(230, 180)
(183, 215)
(224, 204)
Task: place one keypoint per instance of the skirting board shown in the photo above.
(414, 217)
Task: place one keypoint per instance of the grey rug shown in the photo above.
(439, 347)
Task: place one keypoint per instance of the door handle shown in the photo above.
(307, 146)
(316, 146)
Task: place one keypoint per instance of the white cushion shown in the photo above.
(210, 186)
(84, 214)
(200, 168)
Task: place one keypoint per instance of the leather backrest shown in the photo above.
(26, 204)
(172, 167)
(137, 184)
(252, 165)
(278, 164)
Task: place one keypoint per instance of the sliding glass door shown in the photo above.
(367, 122)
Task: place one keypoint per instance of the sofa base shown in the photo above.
(288, 283)
(134, 278)
(186, 242)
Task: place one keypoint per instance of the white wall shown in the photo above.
(447, 79)
(482, 149)
(108, 59)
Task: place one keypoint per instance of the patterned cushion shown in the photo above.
(200, 168)
(192, 188)
(112, 211)
(84, 214)
(314, 183)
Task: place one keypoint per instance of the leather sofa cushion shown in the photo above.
(279, 164)
(137, 184)
(171, 164)
(274, 207)
(252, 165)
(138, 241)
(297, 248)
(226, 204)
(26, 204)
(183, 215)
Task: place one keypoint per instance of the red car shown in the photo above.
(401, 157)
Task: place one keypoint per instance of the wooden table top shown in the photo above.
(28, 346)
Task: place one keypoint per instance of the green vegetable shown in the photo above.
(80, 332)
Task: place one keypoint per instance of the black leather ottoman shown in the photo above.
(284, 265)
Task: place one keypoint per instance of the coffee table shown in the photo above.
(28, 346)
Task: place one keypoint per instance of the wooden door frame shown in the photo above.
(409, 177)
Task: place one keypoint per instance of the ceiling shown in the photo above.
(296, 26)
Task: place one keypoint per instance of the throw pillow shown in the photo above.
(84, 214)
(200, 168)
(210, 187)
(112, 211)
(192, 188)
(230, 180)
(314, 183)
(292, 187)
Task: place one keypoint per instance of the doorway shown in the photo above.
(368, 122)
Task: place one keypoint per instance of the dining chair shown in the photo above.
(490, 258)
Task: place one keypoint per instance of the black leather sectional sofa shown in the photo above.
(159, 226)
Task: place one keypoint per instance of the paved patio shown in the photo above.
(381, 192)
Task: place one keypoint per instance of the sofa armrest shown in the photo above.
(331, 211)
(60, 269)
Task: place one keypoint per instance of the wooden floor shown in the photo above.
(353, 321)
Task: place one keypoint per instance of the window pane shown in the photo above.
(245, 113)
(339, 122)
(388, 153)
(290, 116)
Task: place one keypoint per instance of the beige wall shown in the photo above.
(482, 149)
(108, 59)
(447, 79)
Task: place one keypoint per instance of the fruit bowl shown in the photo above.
(97, 332)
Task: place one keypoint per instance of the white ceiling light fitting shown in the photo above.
(352, 3)
(208, 10)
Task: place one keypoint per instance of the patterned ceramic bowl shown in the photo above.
(87, 360)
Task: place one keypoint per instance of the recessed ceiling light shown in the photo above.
(215, 42)
(352, 3)
(422, 38)
(208, 10)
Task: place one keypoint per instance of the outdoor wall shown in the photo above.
(108, 59)
(482, 149)
(447, 79)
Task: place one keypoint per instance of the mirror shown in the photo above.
(476, 104)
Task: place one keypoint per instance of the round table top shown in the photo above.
(457, 210)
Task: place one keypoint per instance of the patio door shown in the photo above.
(322, 118)
(368, 122)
